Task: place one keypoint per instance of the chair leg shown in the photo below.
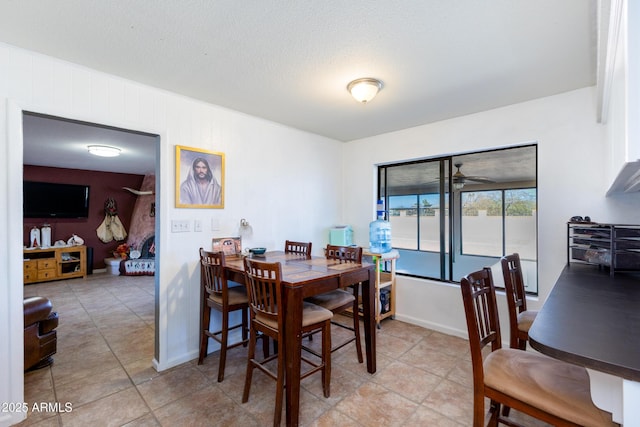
(223, 345)
(265, 346)
(522, 344)
(326, 358)
(204, 339)
(356, 321)
(478, 411)
(495, 414)
(277, 417)
(253, 337)
(245, 326)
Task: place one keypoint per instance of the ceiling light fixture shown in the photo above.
(365, 89)
(103, 150)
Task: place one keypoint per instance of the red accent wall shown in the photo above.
(102, 186)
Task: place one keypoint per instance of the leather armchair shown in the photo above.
(40, 336)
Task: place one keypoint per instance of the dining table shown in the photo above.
(592, 319)
(303, 277)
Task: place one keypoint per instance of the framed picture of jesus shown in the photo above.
(199, 178)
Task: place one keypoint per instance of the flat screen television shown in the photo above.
(51, 200)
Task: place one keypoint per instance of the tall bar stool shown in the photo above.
(340, 300)
(265, 299)
(520, 319)
(302, 248)
(548, 389)
(216, 294)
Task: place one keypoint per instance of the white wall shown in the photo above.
(571, 181)
(261, 186)
(279, 204)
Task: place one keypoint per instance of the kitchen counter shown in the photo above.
(593, 320)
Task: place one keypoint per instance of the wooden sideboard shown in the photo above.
(56, 263)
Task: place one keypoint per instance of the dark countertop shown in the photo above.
(592, 319)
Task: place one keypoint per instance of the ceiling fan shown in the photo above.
(459, 179)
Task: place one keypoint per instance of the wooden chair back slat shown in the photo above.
(344, 253)
(301, 248)
(263, 287)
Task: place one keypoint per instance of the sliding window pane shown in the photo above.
(520, 222)
(404, 222)
(481, 223)
(429, 214)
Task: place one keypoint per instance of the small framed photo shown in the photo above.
(231, 246)
(199, 178)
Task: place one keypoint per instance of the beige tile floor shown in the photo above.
(103, 370)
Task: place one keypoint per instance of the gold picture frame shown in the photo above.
(199, 178)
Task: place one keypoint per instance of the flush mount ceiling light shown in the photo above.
(103, 150)
(365, 89)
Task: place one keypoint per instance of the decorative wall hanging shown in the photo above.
(111, 228)
(199, 178)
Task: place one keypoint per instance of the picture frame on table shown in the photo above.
(199, 178)
(231, 246)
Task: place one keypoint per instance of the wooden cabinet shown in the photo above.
(385, 283)
(42, 265)
(609, 245)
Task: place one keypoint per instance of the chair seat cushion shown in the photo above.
(554, 386)
(333, 299)
(525, 319)
(237, 295)
(311, 314)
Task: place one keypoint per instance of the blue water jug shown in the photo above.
(379, 236)
(380, 232)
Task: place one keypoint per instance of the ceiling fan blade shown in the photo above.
(480, 179)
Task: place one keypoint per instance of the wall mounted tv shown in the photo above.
(51, 200)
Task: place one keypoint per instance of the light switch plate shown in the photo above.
(180, 226)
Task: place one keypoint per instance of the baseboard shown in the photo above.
(433, 326)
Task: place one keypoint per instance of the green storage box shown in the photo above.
(341, 235)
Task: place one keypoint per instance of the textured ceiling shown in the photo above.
(290, 61)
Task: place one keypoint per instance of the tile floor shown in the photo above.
(103, 370)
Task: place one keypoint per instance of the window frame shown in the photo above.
(450, 213)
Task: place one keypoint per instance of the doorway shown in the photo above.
(55, 150)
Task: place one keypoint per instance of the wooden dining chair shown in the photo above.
(520, 319)
(216, 294)
(340, 300)
(267, 319)
(302, 248)
(548, 389)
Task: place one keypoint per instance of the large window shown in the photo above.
(456, 214)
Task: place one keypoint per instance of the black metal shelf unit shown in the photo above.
(614, 246)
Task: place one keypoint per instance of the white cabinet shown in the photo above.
(620, 94)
